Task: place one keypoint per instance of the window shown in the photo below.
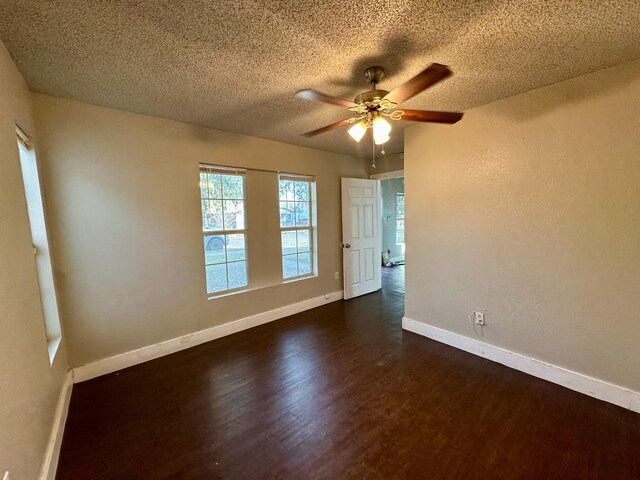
(40, 241)
(400, 219)
(224, 232)
(223, 197)
(296, 225)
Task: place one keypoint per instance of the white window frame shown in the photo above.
(40, 241)
(221, 170)
(312, 228)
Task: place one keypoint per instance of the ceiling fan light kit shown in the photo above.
(381, 130)
(373, 105)
(358, 131)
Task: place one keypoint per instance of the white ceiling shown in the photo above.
(235, 65)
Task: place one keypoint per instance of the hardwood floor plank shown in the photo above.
(340, 392)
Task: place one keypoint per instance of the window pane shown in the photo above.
(232, 186)
(216, 278)
(291, 191)
(303, 241)
(287, 214)
(301, 191)
(284, 186)
(238, 274)
(400, 231)
(233, 214)
(214, 249)
(288, 242)
(302, 214)
(304, 263)
(204, 186)
(286, 190)
(289, 266)
(39, 239)
(236, 249)
(400, 205)
(212, 214)
(215, 187)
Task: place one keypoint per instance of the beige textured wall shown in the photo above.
(529, 209)
(29, 387)
(126, 227)
(388, 163)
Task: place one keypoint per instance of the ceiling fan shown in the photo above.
(372, 106)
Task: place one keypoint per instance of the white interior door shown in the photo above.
(360, 236)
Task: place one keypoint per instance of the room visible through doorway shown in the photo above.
(392, 231)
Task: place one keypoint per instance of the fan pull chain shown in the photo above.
(373, 151)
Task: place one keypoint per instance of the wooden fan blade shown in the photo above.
(339, 124)
(425, 79)
(430, 116)
(316, 96)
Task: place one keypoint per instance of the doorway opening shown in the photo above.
(392, 230)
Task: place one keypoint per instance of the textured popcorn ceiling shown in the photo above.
(235, 65)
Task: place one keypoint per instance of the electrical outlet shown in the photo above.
(478, 318)
(337, 275)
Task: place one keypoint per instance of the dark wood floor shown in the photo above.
(340, 392)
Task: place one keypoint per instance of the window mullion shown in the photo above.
(226, 261)
(295, 219)
(223, 232)
(224, 223)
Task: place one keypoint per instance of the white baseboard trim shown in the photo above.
(579, 382)
(144, 354)
(50, 464)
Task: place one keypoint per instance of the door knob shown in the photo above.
(346, 245)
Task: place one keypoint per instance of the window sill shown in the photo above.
(245, 290)
(299, 278)
(52, 348)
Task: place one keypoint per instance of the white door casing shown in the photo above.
(360, 236)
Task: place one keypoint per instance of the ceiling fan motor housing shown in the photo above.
(374, 74)
(370, 97)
